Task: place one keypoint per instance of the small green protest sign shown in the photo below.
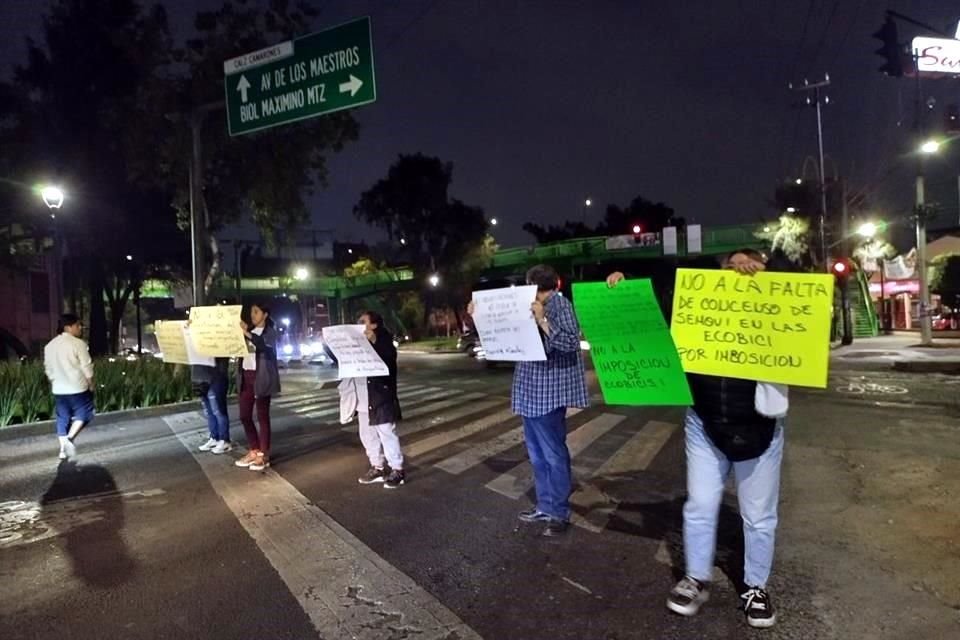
(633, 353)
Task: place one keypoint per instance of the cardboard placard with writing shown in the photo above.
(355, 355)
(171, 340)
(630, 344)
(771, 327)
(216, 332)
(505, 324)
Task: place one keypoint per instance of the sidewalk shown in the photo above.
(903, 352)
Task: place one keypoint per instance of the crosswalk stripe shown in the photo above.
(442, 439)
(408, 428)
(329, 394)
(519, 480)
(427, 405)
(473, 456)
(592, 508)
(310, 407)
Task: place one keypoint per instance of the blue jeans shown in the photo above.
(215, 409)
(70, 407)
(758, 492)
(546, 438)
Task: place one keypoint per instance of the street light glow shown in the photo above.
(52, 196)
(493, 221)
(791, 209)
(301, 273)
(403, 241)
(930, 146)
(799, 181)
(129, 258)
(434, 280)
(286, 322)
(867, 230)
(588, 202)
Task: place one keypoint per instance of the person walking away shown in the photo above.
(378, 409)
(67, 363)
(259, 380)
(734, 425)
(210, 385)
(542, 393)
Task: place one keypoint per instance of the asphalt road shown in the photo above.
(146, 538)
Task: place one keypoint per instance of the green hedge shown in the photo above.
(121, 384)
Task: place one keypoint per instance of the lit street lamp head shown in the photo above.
(52, 196)
(867, 230)
(493, 221)
(301, 273)
(434, 280)
(930, 146)
(588, 202)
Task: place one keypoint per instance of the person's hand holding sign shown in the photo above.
(745, 265)
(245, 328)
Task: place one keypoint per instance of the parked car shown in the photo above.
(946, 320)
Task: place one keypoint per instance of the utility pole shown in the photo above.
(921, 213)
(816, 100)
(198, 223)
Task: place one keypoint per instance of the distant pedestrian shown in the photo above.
(210, 385)
(734, 425)
(377, 408)
(66, 360)
(259, 380)
(542, 393)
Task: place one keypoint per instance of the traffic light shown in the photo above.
(637, 233)
(890, 49)
(841, 270)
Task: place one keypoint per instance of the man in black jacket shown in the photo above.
(725, 431)
(379, 412)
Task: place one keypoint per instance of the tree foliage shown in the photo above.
(791, 237)
(412, 204)
(652, 218)
(945, 277)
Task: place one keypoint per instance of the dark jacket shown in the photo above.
(727, 407)
(384, 405)
(268, 373)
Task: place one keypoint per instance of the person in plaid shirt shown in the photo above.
(542, 392)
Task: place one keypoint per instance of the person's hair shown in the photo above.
(266, 310)
(544, 276)
(750, 253)
(68, 320)
(375, 318)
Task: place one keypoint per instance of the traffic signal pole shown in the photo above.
(816, 101)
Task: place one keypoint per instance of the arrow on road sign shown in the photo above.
(353, 85)
(244, 84)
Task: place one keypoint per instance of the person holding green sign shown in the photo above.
(733, 425)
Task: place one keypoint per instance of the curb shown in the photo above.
(923, 366)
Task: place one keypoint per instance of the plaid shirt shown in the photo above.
(541, 387)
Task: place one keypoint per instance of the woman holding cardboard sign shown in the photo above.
(734, 425)
(259, 381)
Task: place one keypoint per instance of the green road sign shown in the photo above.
(303, 78)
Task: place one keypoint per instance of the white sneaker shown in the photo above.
(208, 445)
(63, 454)
(222, 447)
(70, 449)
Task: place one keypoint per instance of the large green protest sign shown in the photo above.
(630, 343)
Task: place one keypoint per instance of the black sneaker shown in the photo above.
(394, 480)
(687, 596)
(533, 515)
(372, 476)
(555, 528)
(759, 610)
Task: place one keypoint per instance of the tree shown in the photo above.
(791, 237)
(263, 176)
(945, 279)
(651, 217)
(69, 115)
(412, 204)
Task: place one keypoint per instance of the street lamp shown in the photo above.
(434, 280)
(52, 196)
(493, 222)
(930, 146)
(286, 322)
(867, 230)
(791, 209)
(301, 273)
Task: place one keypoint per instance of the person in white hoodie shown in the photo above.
(733, 426)
(66, 360)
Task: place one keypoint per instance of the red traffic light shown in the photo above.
(637, 229)
(839, 268)
(842, 268)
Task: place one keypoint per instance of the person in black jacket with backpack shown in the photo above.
(734, 425)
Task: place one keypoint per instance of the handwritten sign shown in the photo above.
(630, 344)
(215, 331)
(173, 336)
(172, 341)
(506, 326)
(355, 354)
(771, 327)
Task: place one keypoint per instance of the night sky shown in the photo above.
(542, 104)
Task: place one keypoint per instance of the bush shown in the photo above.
(25, 394)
